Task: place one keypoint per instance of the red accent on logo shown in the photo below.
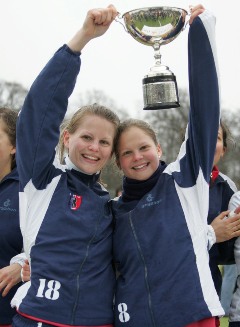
(75, 201)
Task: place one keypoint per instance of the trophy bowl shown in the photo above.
(157, 26)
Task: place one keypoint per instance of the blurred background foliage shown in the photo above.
(169, 125)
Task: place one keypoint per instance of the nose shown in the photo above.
(94, 146)
(137, 156)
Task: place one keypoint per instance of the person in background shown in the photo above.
(160, 238)
(229, 280)
(65, 218)
(11, 242)
(234, 312)
(221, 189)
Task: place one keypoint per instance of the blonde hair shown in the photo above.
(72, 124)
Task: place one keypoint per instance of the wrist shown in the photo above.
(78, 42)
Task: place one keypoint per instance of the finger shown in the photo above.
(195, 11)
(2, 285)
(22, 273)
(25, 274)
(3, 274)
(26, 267)
(101, 16)
(223, 214)
(96, 16)
(25, 277)
(235, 220)
(111, 15)
(235, 228)
(236, 234)
(7, 289)
(195, 14)
(104, 16)
(112, 7)
(114, 12)
(108, 18)
(197, 7)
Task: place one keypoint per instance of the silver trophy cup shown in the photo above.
(156, 26)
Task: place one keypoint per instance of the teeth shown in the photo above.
(139, 167)
(91, 158)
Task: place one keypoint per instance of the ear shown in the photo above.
(223, 151)
(159, 151)
(66, 137)
(13, 151)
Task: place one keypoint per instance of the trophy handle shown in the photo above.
(118, 20)
(187, 21)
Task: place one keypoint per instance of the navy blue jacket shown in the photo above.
(161, 245)
(220, 193)
(65, 218)
(11, 242)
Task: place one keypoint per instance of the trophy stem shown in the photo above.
(157, 54)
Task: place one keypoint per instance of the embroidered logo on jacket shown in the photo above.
(7, 206)
(150, 201)
(75, 201)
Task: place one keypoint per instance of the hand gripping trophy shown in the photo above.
(156, 26)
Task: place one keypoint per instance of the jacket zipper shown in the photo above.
(145, 270)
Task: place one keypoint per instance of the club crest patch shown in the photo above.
(75, 201)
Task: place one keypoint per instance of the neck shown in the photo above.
(71, 165)
(5, 170)
(135, 189)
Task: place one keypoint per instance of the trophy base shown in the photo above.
(160, 92)
(160, 106)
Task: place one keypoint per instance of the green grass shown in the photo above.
(224, 322)
(139, 23)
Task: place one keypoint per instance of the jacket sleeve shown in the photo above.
(19, 258)
(197, 152)
(42, 113)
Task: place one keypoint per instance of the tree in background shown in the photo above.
(12, 95)
(97, 96)
(170, 125)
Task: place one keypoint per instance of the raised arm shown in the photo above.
(47, 101)
(204, 93)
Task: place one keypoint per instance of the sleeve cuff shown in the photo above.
(20, 259)
(211, 236)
